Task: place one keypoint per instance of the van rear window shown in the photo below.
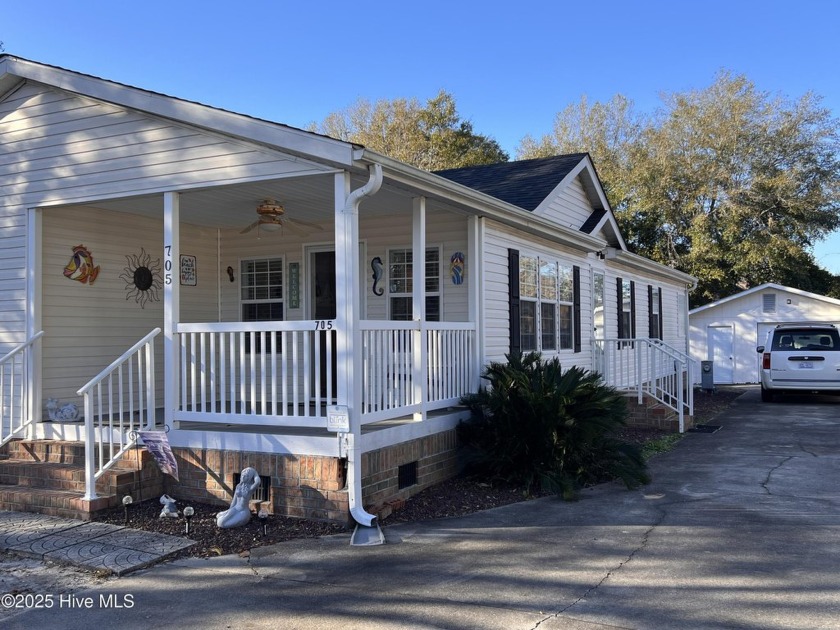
(792, 339)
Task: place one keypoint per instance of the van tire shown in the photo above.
(767, 395)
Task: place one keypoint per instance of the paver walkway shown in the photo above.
(95, 546)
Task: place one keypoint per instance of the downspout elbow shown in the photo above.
(372, 186)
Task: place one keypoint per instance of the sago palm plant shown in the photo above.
(545, 428)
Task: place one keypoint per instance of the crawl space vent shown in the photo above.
(261, 493)
(407, 475)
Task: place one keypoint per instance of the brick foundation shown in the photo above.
(302, 486)
(436, 458)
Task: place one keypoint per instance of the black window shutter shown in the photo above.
(620, 294)
(632, 310)
(661, 316)
(513, 293)
(576, 306)
(651, 331)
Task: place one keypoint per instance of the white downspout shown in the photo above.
(351, 320)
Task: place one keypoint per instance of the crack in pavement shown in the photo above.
(771, 471)
(610, 573)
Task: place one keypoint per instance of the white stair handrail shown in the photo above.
(143, 351)
(19, 356)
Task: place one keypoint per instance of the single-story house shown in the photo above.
(727, 332)
(280, 299)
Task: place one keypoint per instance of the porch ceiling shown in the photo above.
(309, 198)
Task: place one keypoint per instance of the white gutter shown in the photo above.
(643, 264)
(354, 460)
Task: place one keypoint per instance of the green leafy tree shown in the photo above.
(726, 183)
(431, 136)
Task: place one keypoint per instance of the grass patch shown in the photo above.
(659, 445)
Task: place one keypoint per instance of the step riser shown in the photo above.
(48, 477)
(67, 453)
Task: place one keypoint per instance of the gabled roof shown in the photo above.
(524, 183)
(531, 184)
(765, 287)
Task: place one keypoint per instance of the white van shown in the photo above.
(800, 358)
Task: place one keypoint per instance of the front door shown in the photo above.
(721, 351)
(323, 307)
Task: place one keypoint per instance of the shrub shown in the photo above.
(544, 428)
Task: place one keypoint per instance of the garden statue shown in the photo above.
(239, 512)
(169, 509)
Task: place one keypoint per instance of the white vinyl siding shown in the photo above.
(571, 206)
(89, 325)
(445, 231)
(59, 147)
(496, 301)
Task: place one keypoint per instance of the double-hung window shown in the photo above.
(401, 284)
(261, 282)
(546, 315)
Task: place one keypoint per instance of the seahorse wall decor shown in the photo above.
(456, 268)
(376, 266)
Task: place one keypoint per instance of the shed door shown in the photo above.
(721, 351)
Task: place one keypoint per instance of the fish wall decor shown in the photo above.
(81, 267)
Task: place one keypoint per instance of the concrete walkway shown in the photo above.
(739, 529)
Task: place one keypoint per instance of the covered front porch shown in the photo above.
(355, 304)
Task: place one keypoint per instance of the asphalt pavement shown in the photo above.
(740, 528)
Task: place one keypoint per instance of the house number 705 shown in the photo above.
(324, 324)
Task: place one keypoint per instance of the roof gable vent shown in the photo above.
(768, 302)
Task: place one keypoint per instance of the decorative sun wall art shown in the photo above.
(142, 278)
(81, 267)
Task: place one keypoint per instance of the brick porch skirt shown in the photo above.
(314, 487)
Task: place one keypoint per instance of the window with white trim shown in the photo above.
(598, 288)
(401, 284)
(655, 316)
(546, 309)
(261, 292)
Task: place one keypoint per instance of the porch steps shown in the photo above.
(654, 414)
(48, 477)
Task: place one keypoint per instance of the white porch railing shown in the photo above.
(16, 383)
(279, 373)
(392, 384)
(647, 366)
(118, 401)
(284, 373)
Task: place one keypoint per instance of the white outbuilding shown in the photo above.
(728, 331)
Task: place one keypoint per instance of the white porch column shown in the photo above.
(418, 305)
(347, 297)
(475, 280)
(34, 308)
(171, 303)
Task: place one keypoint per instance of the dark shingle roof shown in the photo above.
(524, 183)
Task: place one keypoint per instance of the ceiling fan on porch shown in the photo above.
(271, 219)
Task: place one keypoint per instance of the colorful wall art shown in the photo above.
(81, 267)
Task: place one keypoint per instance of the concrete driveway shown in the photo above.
(739, 529)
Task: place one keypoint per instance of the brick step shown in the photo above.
(60, 452)
(64, 503)
(61, 476)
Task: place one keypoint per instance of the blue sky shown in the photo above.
(510, 65)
